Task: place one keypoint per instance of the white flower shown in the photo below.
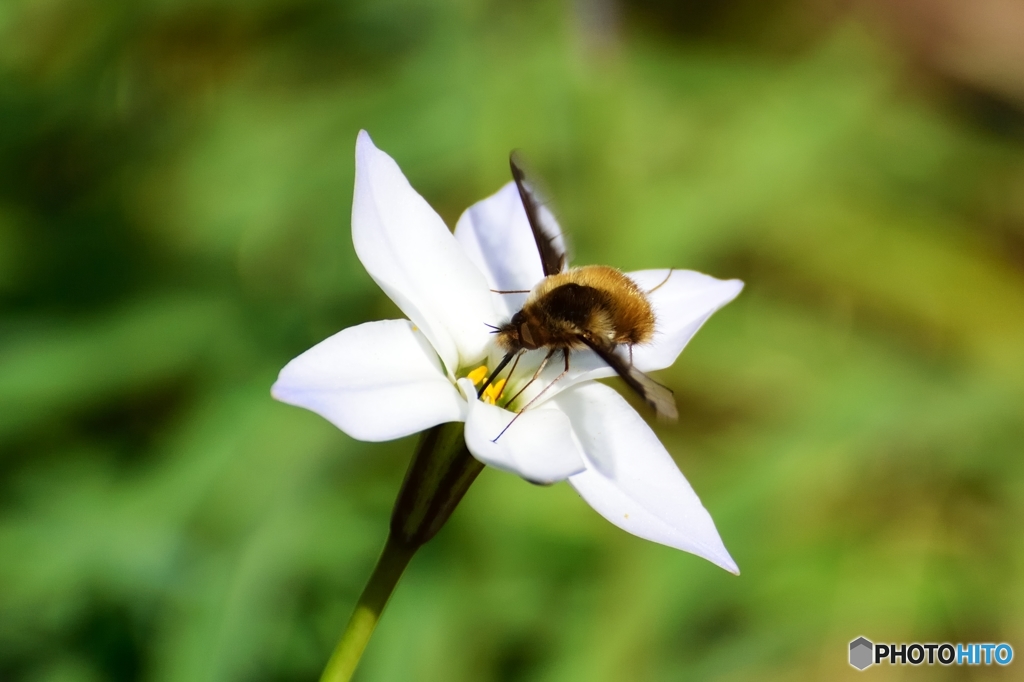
(383, 380)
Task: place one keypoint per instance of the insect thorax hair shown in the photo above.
(602, 288)
(594, 301)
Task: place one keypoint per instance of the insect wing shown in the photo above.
(546, 232)
(654, 394)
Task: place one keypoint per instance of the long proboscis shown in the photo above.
(494, 375)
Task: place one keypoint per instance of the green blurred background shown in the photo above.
(175, 188)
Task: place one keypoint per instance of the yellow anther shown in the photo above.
(493, 392)
(478, 374)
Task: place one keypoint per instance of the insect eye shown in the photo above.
(524, 334)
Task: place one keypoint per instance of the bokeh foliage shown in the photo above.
(175, 185)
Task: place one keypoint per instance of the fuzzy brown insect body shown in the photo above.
(595, 302)
(593, 307)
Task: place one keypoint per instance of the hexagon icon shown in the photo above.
(860, 653)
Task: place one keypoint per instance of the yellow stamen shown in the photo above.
(478, 374)
(493, 392)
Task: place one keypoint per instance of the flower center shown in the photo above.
(492, 392)
(478, 375)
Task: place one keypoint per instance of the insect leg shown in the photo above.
(510, 291)
(510, 373)
(565, 354)
(497, 370)
(543, 364)
(501, 365)
(651, 291)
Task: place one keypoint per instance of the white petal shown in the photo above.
(376, 381)
(632, 481)
(540, 446)
(409, 252)
(497, 237)
(681, 304)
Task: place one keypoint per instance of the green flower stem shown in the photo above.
(439, 475)
(361, 625)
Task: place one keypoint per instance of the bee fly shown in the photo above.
(594, 306)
